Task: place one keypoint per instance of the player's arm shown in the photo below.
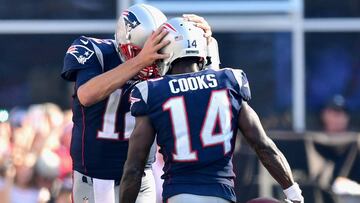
(139, 146)
(101, 86)
(271, 157)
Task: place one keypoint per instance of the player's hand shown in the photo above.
(149, 53)
(201, 23)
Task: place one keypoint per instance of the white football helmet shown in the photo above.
(134, 26)
(186, 40)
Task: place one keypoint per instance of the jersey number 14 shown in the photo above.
(218, 113)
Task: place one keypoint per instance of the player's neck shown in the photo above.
(185, 66)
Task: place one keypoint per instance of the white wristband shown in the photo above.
(294, 193)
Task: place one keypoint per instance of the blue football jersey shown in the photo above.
(101, 131)
(195, 116)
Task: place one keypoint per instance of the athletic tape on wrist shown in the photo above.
(294, 193)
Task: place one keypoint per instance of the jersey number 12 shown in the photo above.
(108, 130)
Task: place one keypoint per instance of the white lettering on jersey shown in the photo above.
(201, 82)
(193, 83)
(211, 78)
(183, 85)
(172, 88)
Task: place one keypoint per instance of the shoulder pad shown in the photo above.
(243, 83)
(80, 55)
(138, 99)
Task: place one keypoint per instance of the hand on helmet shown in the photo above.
(149, 53)
(201, 23)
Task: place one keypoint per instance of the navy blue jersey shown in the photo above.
(101, 131)
(195, 117)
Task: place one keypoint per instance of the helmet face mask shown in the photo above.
(134, 26)
(186, 40)
(129, 51)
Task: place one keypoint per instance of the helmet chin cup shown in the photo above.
(129, 51)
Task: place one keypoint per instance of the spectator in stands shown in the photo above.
(339, 157)
(334, 117)
(34, 155)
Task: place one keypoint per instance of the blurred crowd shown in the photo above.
(35, 162)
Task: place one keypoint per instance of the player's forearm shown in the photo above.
(101, 86)
(275, 162)
(268, 153)
(130, 184)
(271, 157)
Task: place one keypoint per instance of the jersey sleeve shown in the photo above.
(83, 75)
(243, 83)
(138, 99)
(79, 56)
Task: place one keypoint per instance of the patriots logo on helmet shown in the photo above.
(130, 19)
(80, 52)
(169, 27)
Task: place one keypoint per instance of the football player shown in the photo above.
(103, 71)
(195, 116)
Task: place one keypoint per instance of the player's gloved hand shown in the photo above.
(201, 23)
(293, 194)
(149, 53)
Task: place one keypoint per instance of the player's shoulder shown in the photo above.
(105, 45)
(234, 74)
(92, 45)
(88, 41)
(238, 78)
(80, 49)
(152, 89)
(155, 83)
(139, 99)
(85, 52)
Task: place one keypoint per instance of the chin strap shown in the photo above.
(212, 58)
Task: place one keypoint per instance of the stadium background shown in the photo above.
(297, 54)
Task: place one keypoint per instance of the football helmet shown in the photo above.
(134, 26)
(186, 40)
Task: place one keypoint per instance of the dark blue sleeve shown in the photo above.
(83, 75)
(243, 83)
(245, 87)
(79, 56)
(138, 106)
